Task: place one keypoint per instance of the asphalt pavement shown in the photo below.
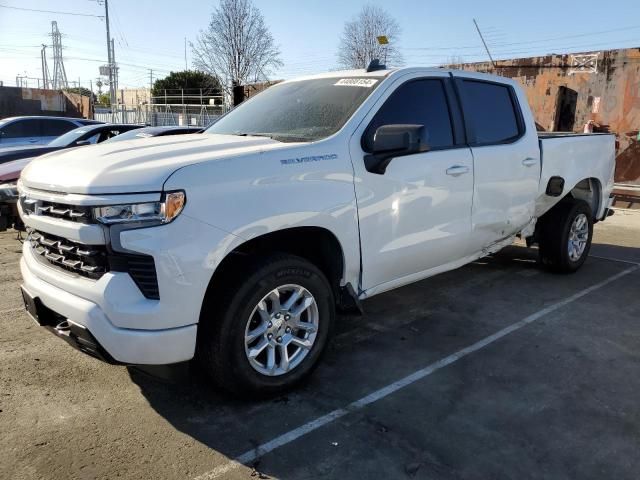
(496, 370)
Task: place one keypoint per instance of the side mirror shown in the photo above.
(392, 141)
(81, 143)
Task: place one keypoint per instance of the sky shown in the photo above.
(151, 34)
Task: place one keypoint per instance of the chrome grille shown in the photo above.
(87, 260)
(75, 213)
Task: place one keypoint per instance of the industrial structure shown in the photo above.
(592, 91)
(59, 78)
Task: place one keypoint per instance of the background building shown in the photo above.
(566, 92)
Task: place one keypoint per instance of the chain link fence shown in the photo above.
(169, 109)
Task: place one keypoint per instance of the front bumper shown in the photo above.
(91, 331)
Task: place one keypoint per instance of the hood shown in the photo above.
(11, 170)
(9, 154)
(140, 165)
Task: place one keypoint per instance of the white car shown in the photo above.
(236, 246)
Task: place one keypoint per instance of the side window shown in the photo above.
(417, 102)
(22, 128)
(490, 111)
(93, 139)
(55, 128)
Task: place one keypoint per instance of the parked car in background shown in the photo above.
(37, 130)
(14, 159)
(156, 132)
(80, 136)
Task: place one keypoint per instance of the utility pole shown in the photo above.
(484, 43)
(114, 67)
(45, 67)
(150, 83)
(185, 54)
(112, 92)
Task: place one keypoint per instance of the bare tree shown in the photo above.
(237, 47)
(359, 43)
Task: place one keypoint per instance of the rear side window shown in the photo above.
(490, 112)
(55, 128)
(417, 102)
(29, 127)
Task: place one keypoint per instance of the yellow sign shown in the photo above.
(383, 40)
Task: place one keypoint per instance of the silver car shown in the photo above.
(15, 131)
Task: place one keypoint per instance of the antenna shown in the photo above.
(484, 43)
(59, 79)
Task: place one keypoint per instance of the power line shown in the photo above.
(51, 11)
(550, 39)
(601, 45)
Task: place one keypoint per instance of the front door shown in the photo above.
(416, 216)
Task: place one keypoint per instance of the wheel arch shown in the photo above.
(318, 245)
(590, 190)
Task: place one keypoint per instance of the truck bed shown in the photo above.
(575, 157)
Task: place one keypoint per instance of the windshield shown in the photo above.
(68, 138)
(302, 111)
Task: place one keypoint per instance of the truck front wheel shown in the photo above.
(565, 236)
(270, 330)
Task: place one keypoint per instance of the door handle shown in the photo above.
(530, 162)
(457, 170)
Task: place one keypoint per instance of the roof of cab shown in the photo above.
(394, 72)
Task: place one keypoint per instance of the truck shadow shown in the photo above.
(188, 400)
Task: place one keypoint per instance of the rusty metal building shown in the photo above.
(567, 91)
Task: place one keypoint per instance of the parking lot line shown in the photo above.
(614, 259)
(292, 435)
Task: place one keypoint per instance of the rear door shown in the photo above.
(53, 128)
(416, 216)
(506, 159)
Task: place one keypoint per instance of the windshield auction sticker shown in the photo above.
(357, 82)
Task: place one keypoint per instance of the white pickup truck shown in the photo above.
(236, 246)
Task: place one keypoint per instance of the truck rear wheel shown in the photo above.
(565, 236)
(267, 331)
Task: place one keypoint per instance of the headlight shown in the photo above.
(8, 191)
(163, 211)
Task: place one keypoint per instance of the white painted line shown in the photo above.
(288, 437)
(615, 260)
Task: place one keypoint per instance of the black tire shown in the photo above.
(221, 332)
(555, 229)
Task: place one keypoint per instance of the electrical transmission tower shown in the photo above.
(59, 78)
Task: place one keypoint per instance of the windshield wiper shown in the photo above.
(267, 135)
